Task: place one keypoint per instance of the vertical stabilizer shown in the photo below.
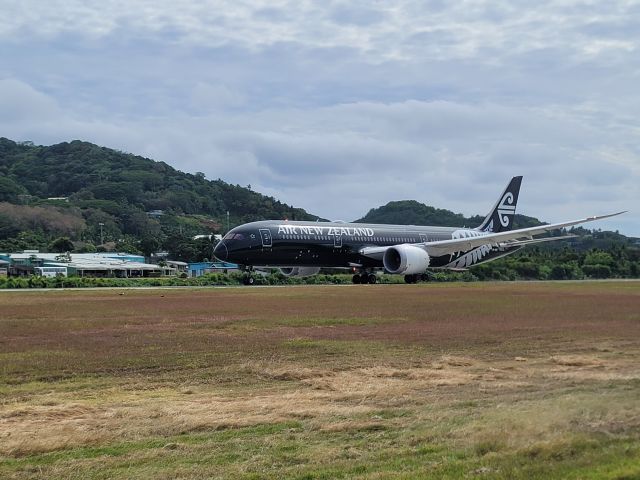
(500, 218)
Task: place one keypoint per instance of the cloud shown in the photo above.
(20, 102)
(340, 106)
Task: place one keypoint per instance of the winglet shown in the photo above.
(609, 215)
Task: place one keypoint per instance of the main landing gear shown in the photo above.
(424, 277)
(364, 277)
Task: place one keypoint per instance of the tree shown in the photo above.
(61, 244)
(149, 245)
(597, 271)
(127, 244)
(597, 257)
(86, 247)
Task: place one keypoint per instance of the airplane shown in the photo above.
(301, 248)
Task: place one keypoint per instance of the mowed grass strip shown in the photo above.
(498, 380)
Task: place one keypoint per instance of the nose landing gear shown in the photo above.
(247, 276)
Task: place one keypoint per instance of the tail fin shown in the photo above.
(500, 219)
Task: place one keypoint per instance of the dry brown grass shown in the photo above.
(324, 395)
(577, 361)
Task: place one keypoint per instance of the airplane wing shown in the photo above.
(519, 243)
(510, 237)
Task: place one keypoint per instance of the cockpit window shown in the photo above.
(234, 236)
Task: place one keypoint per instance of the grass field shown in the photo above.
(500, 380)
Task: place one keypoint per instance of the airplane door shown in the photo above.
(265, 235)
(337, 240)
(423, 238)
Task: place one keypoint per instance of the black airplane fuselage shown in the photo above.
(276, 243)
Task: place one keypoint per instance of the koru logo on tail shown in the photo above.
(506, 208)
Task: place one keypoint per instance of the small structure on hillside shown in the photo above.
(155, 213)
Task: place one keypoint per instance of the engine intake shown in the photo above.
(299, 271)
(405, 260)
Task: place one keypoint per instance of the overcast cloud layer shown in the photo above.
(338, 107)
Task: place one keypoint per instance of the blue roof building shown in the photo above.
(198, 269)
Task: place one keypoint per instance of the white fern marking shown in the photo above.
(471, 257)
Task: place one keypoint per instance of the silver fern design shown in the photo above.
(466, 259)
(470, 258)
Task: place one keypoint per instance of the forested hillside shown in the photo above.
(69, 189)
(410, 212)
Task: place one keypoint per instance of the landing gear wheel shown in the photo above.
(411, 278)
(248, 280)
(356, 279)
(371, 278)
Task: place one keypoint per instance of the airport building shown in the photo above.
(4, 268)
(124, 265)
(197, 269)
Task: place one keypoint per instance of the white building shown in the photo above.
(89, 264)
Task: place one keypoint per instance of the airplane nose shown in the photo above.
(221, 251)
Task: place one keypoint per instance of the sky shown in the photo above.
(338, 107)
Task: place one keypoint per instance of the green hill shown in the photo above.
(69, 189)
(410, 212)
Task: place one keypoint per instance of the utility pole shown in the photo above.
(227, 221)
(101, 235)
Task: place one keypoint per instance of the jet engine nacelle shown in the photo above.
(405, 260)
(299, 271)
